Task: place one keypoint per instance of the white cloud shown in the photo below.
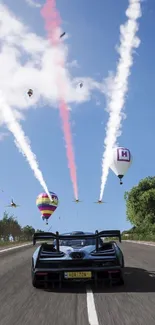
(73, 64)
(28, 61)
(33, 3)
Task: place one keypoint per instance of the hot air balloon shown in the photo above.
(45, 205)
(121, 161)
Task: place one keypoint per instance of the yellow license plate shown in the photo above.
(78, 275)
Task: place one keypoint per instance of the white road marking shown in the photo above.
(14, 247)
(91, 309)
(139, 242)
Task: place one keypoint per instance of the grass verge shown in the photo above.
(11, 244)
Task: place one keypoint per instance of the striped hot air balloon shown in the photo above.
(46, 206)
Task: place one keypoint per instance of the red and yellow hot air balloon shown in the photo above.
(46, 206)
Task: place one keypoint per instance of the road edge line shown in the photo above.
(14, 247)
(139, 242)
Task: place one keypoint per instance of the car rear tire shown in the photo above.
(121, 281)
(34, 281)
(123, 264)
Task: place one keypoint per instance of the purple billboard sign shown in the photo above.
(123, 154)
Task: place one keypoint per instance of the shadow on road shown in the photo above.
(136, 280)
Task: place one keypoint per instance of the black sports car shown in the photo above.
(77, 256)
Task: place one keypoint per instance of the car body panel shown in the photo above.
(51, 265)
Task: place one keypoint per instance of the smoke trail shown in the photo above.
(128, 41)
(52, 25)
(21, 141)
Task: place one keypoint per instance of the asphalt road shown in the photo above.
(133, 304)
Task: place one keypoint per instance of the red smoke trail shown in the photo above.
(52, 24)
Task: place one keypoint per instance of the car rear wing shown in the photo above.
(49, 236)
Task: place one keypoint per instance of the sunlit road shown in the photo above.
(133, 304)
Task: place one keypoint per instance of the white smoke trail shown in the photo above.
(21, 141)
(128, 41)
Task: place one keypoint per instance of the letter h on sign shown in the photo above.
(123, 154)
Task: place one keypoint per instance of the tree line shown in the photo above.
(140, 210)
(10, 228)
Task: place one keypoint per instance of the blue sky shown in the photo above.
(93, 27)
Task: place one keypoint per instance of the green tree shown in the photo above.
(9, 226)
(28, 231)
(140, 205)
(1, 230)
